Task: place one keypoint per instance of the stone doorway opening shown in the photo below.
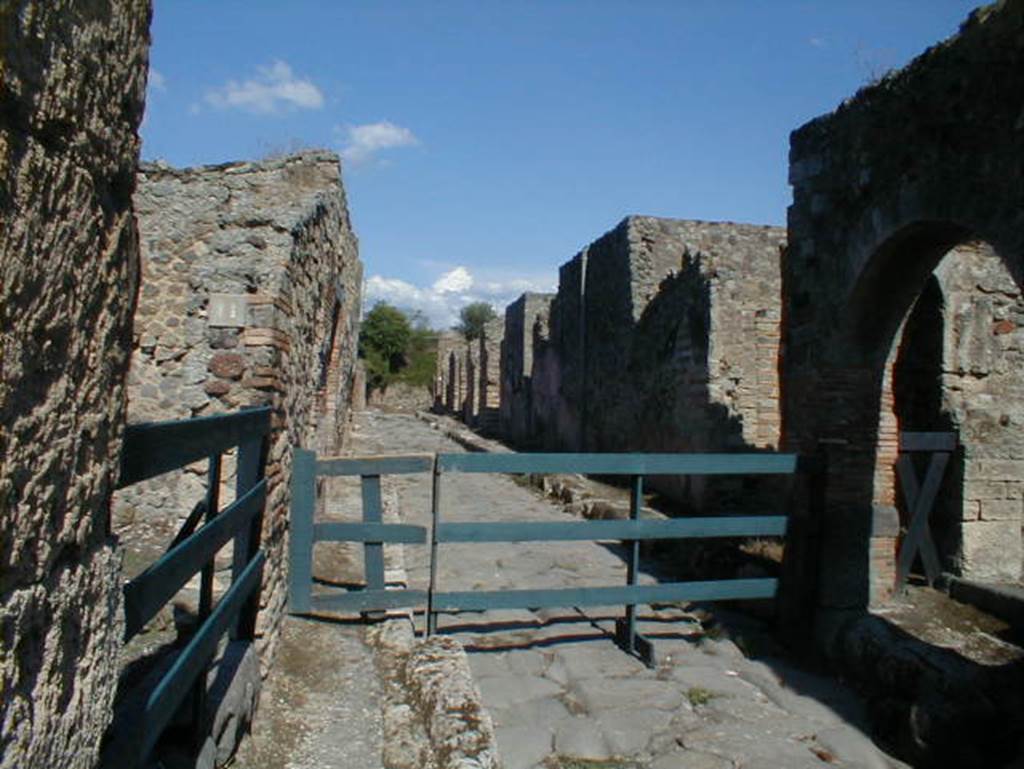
(955, 365)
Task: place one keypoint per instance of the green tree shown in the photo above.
(383, 343)
(472, 319)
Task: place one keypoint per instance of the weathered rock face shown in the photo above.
(924, 161)
(515, 407)
(250, 296)
(71, 99)
(664, 337)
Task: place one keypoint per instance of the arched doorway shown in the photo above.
(958, 366)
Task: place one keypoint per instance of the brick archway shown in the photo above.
(926, 160)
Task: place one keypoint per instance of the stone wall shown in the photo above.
(470, 404)
(250, 296)
(489, 376)
(517, 351)
(71, 100)
(910, 168)
(444, 378)
(664, 337)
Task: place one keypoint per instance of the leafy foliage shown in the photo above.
(396, 347)
(472, 319)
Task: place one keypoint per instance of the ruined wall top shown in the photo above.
(278, 191)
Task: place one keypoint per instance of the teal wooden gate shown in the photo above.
(373, 533)
(153, 449)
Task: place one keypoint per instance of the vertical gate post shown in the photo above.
(300, 539)
(625, 628)
(435, 513)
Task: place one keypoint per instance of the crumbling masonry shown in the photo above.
(250, 296)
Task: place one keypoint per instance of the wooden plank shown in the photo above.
(721, 590)
(175, 685)
(927, 441)
(334, 531)
(677, 528)
(145, 595)
(373, 553)
(621, 464)
(376, 465)
(919, 502)
(153, 448)
(367, 600)
(252, 460)
(300, 538)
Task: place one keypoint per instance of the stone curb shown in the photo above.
(428, 686)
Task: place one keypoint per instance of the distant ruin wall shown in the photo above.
(71, 100)
(908, 169)
(250, 296)
(489, 401)
(517, 351)
(470, 383)
(664, 337)
(558, 395)
(444, 387)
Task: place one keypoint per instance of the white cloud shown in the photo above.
(454, 281)
(817, 42)
(441, 301)
(156, 80)
(275, 89)
(363, 142)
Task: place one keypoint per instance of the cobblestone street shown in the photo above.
(554, 681)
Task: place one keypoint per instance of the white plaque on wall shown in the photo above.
(228, 310)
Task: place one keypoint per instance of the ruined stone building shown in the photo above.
(663, 336)
(525, 325)
(489, 376)
(250, 296)
(906, 256)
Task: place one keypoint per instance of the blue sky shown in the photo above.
(484, 143)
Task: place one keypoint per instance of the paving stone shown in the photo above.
(597, 659)
(522, 747)
(535, 713)
(690, 759)
(506, 691)
(754, 747)
(527, 662)
(851, 746)
(629, 732)
(623, 694)
(486, 664)
(716, 681)
(581, 738)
